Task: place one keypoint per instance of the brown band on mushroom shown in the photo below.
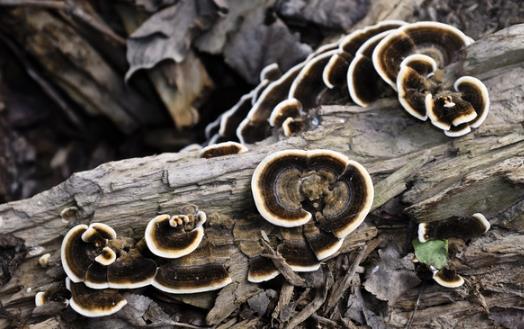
(457, 131)
(454, 227)
(167, 237)
(296, 251)
(290, 187)
(364, 83)
(95, 303)
(261, 269)
(230, 120)
(448, 109)
(180, 279)
(292, 126)
(222, 149)
(308, 84)
(474, 92)
(322, 243)
(448, 278)
(76, 255)
(130, 271)
(335, 71)
(289, 108)
(56, 294)
(96, 276)
(439, 41)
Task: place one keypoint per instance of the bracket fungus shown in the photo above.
(335, 71)
(222, 149)
(175, 236)
(94, 303)
(178, 278)
(454, 227)
(439, 41)
(291, 187)
(448, 278)
(261, 269)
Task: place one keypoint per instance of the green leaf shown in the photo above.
(433, 253)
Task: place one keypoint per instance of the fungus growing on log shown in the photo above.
(94, 303)
(131, 271)
(183, 279)
(261, 269)
(222, 149)
(175, 236)
(291, 187)
(335, 71)
(454, 227)
(448, 278)
(439, 41)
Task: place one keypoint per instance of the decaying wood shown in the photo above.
(413, 166)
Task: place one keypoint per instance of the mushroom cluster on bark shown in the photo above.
(390, 57)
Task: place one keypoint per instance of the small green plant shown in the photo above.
(432, 253)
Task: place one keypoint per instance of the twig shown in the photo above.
(340, 287)
(282, 266)
(410, 321)
(71, 8)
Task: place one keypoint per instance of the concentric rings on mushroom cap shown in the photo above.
(189, 279)
(94, 303)
(291, 187)
(440, 41)
(76, 255)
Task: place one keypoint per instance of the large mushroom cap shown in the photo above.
(335, 71)
(181, 279)
(167, 237)
(439, 41)
(95, 303)
(413, 84)
(454, 227)
(292, 186)
(130, 271)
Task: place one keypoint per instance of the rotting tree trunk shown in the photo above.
(416, 170)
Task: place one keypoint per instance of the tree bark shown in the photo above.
(416, 170)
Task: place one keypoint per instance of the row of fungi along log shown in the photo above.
(416, 171)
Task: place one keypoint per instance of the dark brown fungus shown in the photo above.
(95, 303)
(222, 149)
(439, 41)
(292, 126)
(261, 269)
(166, 236)
(289, 108)
(335, 71)
(291, 187)
(131, 271)
(454, 227)
(182, 279)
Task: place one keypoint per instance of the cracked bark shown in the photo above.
(413, 165)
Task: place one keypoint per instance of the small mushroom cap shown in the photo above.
(457, 131)
(107, 257)
(74, 253)
(178, 279)
(440, 41)
(95, 303)
(299, 256)
(167, 241)
(222, 149)
(291, 126)
(448, 278)
(413, 84)
(230, 119)
(261, 269)
(289, 108)
(308, 84)
(98, 231)
(448, 109)
(476, 93)
(364, 83)
(322, 243)
(338, 191)
(40, 298)
(131, 271)
(53, 294)
(454, 227)
(271, 72)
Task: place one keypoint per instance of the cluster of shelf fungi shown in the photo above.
(316, 198)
